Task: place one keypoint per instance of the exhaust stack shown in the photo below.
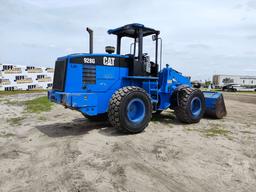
(90, 31)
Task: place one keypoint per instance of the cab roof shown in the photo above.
(132, 30)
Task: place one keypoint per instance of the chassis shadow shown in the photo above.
(76, 127)
(82, 126)
(166, 117)
(169, 117)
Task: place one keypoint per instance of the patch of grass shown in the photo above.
(192, 129)
(8, 102)
(42, 118)
(4, 100)
(20, 92)
(15, 120)
(248, 132)
(7, 135)
(206, 89)
(37, 105)
(212, 132)
(246, 92)
(219, 90)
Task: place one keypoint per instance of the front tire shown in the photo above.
(191, 105)
(130, 109)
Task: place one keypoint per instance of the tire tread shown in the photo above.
(181, 110)
(115, 104)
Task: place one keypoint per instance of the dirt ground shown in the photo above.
(60, 150)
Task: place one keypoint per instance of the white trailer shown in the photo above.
(20, 77)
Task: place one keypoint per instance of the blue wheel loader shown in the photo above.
(127, 88)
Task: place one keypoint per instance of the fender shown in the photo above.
(175, 96)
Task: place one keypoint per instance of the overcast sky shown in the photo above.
(200, 37)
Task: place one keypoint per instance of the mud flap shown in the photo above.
(215, 105)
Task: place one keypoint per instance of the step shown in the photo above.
(154, 101)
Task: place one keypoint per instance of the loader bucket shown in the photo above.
(215, 106)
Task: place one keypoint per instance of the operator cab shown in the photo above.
(139, 62)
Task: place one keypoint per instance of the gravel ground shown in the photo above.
(60, 150)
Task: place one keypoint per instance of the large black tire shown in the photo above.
(100, 117)
(184, 111)
(119, 104)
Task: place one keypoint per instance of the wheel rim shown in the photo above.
(136, 110)
(196, 106)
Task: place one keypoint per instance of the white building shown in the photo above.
(18, 77)
(244, 80)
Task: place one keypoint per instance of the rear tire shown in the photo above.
(191, 105)
(130, 109)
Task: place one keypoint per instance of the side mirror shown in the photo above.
(154, 37)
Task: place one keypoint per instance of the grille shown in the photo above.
(59, 75)
(89, 74)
